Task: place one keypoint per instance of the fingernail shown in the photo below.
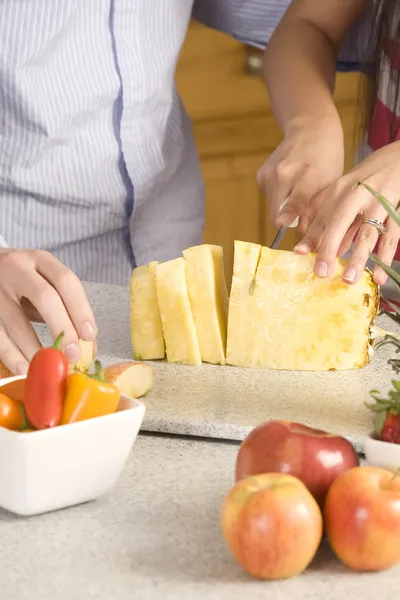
(73, 353)
(88, 331)
(321, 269)
(350, 275)
(303, 247)
(21, 368)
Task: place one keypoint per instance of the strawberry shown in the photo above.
(391, 429)
(387, 414)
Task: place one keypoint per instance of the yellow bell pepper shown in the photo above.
(88, 396)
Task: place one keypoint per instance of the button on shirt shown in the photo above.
(97, 159)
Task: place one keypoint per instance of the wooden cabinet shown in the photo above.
(235, 132)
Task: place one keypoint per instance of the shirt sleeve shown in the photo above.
(254, 21)
(3, 243)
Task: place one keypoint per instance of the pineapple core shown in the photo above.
(295, 320)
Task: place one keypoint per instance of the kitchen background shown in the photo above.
(221, 86)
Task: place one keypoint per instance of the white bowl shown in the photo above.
(54, 468)
(382, 454)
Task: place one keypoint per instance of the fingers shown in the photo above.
(350, 235)
(386, 250)
(19, 328)
(276, 180)
(36, 280)
(11, 356)
(330, 227)
(367, 238)
(51, 307)
(304, 188)
(70, 290)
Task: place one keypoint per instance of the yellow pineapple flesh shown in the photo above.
(181, 341)
(146, 332)
(295, 320)
(205, 278)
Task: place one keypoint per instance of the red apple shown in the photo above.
(272, 525)
(362, 518)
(314, 456)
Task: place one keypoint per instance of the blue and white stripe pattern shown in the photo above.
(97, 159)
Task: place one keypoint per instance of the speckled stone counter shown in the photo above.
(227, 402)
(157, 536)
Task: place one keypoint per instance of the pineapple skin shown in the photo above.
(295, 320)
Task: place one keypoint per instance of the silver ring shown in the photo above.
(377, 224)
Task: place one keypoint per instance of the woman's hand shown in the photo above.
(308, 160)
(35, 285)
(344, 207)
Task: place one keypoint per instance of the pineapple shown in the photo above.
(177, 321)
(146, 332)
(295, 320)
(205, 278)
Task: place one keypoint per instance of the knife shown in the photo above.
(275, 244)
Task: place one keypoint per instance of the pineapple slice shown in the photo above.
(146, 332)
(295, 320)
(176, 314)
(244, 314)
(208, 294)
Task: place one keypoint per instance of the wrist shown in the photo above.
(329, 122)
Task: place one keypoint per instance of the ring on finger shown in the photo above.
(379, 226)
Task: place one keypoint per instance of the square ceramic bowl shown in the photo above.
(382, 454)
(54, 468)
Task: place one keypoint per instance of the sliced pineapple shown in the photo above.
(244, 313)
(208, 294)
(295, 320)
(177, 321)
(88, 353)
(146, 331)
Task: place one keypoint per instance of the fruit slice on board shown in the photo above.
(146, 331)
(133, 379)
(208, 294)
(177, 321)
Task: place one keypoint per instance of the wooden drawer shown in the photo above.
(230, 107)
(215, 82)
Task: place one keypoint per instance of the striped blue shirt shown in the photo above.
(97, 159)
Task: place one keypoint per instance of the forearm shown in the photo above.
(300, 61)
(299, 68)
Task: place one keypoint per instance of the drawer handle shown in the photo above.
(253, 64)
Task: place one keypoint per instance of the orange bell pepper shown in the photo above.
(12, 414)
(89, 396)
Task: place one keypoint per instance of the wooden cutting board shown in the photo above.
(227, 402)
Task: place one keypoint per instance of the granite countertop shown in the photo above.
(227, 402)
(157, 536)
